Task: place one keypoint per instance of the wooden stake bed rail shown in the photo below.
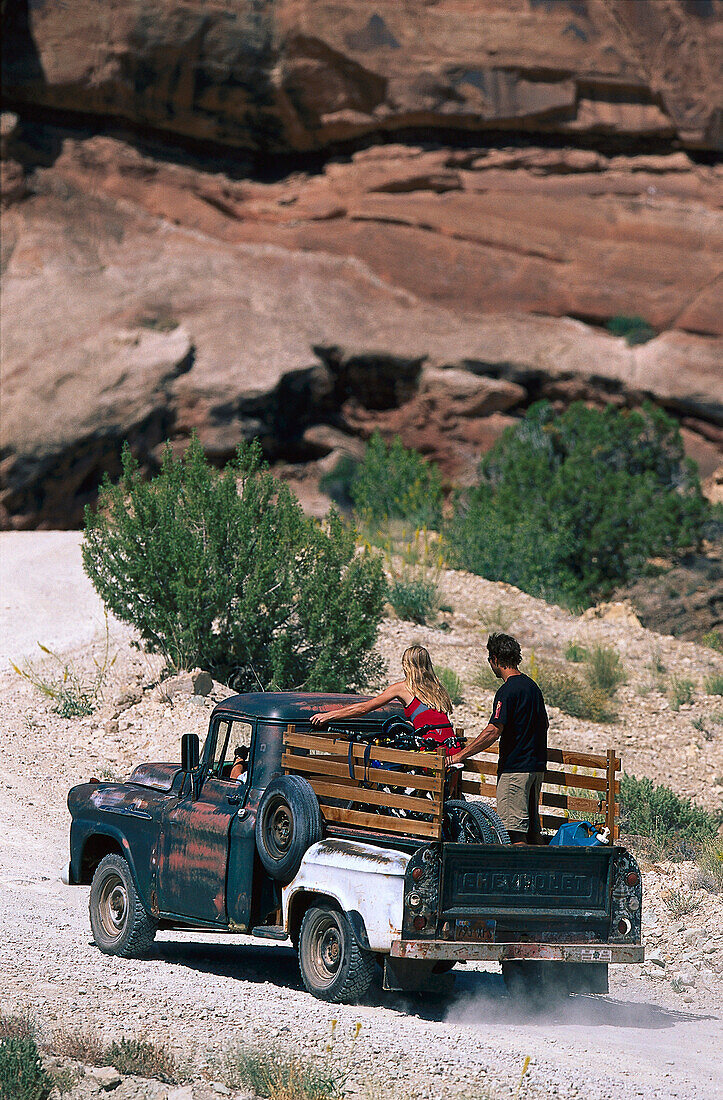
(350, 788)
(354, 793)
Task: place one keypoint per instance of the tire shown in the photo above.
(464, 823)
(287, 824)
(538, 983)
(496, 823)
(333, 965)
(120, 924)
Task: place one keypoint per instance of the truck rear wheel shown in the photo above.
(333, 965)
(288, 822)
(120, 924)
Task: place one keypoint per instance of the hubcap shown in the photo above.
(113, 907)
(325, 950)
(279, 828)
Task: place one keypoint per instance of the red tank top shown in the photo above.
(422, 715)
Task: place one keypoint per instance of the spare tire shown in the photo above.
(465, 824)
(287, 823)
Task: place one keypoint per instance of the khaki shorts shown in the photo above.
(518, 798)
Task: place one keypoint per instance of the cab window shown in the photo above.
(232, 749)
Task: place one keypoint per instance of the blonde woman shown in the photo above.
(425, 700)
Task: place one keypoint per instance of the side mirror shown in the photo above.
(189, 752)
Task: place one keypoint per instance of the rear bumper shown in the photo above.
(499, 952)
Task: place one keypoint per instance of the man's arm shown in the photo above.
(483, 741)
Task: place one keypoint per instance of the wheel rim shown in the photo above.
(464, 828)
(325, 950)
(278, 828)
(113, 907)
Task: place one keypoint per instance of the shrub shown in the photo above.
(681, 692)
(710, 861)
(572, 695)
(80, 1044)
(657, 812)
(569, 507)
(636, 330)
(452, 682)
(414, 599)
(681, 902)
(233, 577)
(17, 1025)
(604, 669)
(714, 640)
(143, 1058)
(22, 1076)
(393, 482)
(713, 684)
(576, 653)
(75, 695)
(280, 1076)
(337, 482)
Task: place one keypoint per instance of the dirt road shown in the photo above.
(202, 993)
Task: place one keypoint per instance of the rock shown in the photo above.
(318, 73)
(462, 393)
(185, 1092)
(202, 682)
(111, 727)
(620, 612)
(106, 1076)
(323, 439)
(655, 959)
(127, 696)
(177, 685)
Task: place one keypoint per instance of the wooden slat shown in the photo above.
(381, 823)
(564, 756)
(375, 798)
(571, 802)
(572, 779)
(433, 761)
(487, 789)
(321, 765)
(481, 767)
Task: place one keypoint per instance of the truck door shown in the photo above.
(194, 845)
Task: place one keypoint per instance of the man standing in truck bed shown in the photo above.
(520, 721)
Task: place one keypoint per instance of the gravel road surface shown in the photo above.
(201, 993)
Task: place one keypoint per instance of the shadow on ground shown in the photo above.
(477, 997)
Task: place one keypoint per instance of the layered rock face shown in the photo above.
(432, 278)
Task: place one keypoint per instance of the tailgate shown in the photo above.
(523, 890)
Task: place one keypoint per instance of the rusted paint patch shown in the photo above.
(159, 777)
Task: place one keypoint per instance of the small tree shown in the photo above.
(224, 570)
(570, 506)
(395, 482)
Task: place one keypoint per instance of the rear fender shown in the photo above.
(366, 882)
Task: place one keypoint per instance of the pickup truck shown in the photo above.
(184, 846)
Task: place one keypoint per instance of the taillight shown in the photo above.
(420, 923)
(624, 926)
(417, 874)
(632, 879)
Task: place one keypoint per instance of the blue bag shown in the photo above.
(580, 833)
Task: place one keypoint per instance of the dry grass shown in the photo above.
(680, 902)
(144, 1058)
(18, 1025)
(80, 1044)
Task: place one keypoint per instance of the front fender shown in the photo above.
(365, 881)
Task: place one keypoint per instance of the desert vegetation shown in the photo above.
(224, 570)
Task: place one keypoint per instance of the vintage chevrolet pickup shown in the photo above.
(273, 854)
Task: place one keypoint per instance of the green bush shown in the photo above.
(393, 482)
(225, 571)
(681, 692)
(414, 599)
(604, 669)
(710, 861)
(636, 330)
(713, 684)
(656, 812)
(571, 506)
(713, 640)
(337, 482)
(572, 695)
(280, 1076)
(576, 653)
(452, 682)
(22, 1076)
(143, 1058)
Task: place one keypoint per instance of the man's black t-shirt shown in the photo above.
(520, 709)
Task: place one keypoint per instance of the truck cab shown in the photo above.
(185, 845)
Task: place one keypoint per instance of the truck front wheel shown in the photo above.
(333, 965)
(119, 923)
